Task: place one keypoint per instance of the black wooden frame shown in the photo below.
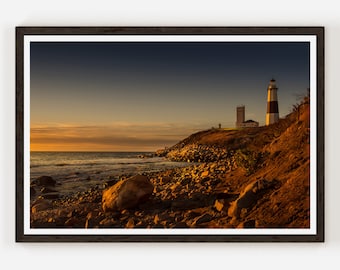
(22, 31)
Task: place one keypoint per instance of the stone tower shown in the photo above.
(272, 115)
(240, 115)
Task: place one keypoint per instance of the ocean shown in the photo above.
(79, 171)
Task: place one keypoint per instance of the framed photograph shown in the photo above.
(170, 134)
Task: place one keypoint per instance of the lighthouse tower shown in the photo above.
(272, 115)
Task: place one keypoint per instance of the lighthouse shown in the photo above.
(272, 115)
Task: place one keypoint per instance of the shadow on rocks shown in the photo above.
(185, 204)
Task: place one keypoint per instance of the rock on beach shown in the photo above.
(44, 181)
(127, 193)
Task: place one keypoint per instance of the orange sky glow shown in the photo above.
(143, 96)
(110, 137)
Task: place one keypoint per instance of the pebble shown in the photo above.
(219, 205)
(130, 224)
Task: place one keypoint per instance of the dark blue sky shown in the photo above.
(193, 85)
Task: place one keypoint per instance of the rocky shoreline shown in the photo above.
(196, 196)
(252, 178)
(183, 197)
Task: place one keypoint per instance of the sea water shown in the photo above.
(78, 171)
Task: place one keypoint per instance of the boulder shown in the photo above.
(249, 197)
(127, 193)
(44, 181)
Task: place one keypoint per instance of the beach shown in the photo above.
(79, 171)
(180, 196)
(246, 178)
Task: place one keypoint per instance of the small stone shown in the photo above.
(124, 212)
(219, 205)
(89, 215)
(140, 224)
(70, 214)
(107, 221)
(212, 167)
(130, 223)
(156, 219)
(90, 219)
(205, 174)
(175, 187)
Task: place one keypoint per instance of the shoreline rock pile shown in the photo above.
(198, 153)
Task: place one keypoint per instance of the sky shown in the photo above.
(143, 96)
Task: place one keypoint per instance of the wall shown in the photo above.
(167, 13)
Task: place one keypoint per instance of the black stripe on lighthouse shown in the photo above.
(272, 107)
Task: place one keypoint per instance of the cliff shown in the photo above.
(272, 160)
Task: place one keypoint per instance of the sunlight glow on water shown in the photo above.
(78, 171)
